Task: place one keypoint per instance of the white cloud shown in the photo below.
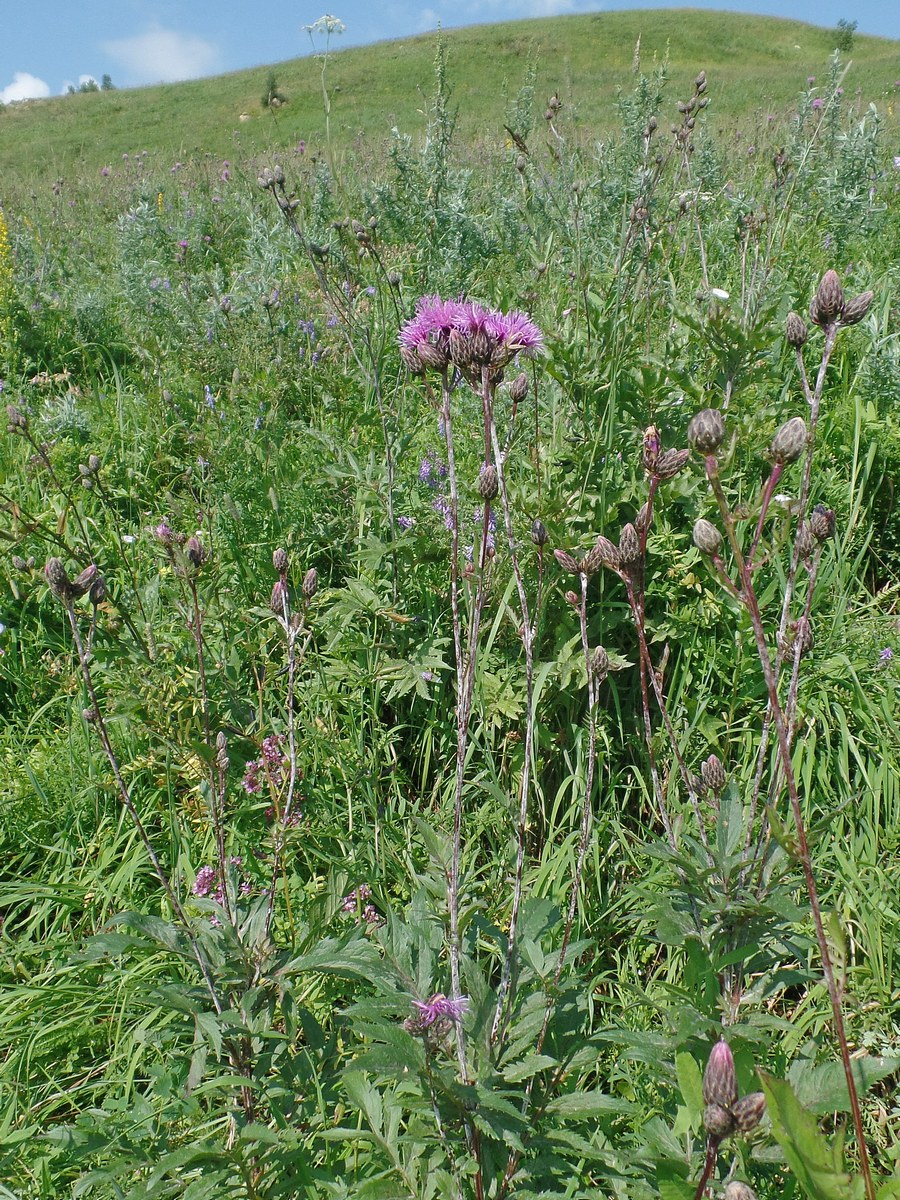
(428, 20)
(24, 87)
(165, 56)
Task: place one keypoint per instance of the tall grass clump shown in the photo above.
(448, 662)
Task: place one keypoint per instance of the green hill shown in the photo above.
(756, 65)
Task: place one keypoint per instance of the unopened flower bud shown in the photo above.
(795, 331)
(603, 553)
(651, 448)
(221, 751)
(94, 463)
(642, 520)
(713, 774)
(97, 591)
(822, 523)
(82, 583)
(194, 552)
(670, 462)
(412, 361)
(488, 484)
(518, 389)
(280, 561)
(572, 598)
(19, 563)
(482, 348)
(599, 662)
(790, 441)
(735, 1190)
(719, 1078)
(629, 545)
(310, 583)
(828, 303)
(706, 432)
(432, 355)
(707, 538)
(856, 309)
(279, 599)
(566, 561)
(539, 533)
(16, 418)
(804, 541)
(58, 580)
(748, 1111)
(718, 1121)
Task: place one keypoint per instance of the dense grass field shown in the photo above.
(449, 627)
(759, 64)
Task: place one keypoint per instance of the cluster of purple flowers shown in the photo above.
(432, 473)
(273, 764)
(208, 882)
(465, 334)
(358, 902)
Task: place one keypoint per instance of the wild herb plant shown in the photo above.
(413, 858)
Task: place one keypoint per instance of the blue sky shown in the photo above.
(48, 44)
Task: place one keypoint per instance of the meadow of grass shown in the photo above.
(760, 63)
(449, 630)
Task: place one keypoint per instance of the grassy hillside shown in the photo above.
(756, 65)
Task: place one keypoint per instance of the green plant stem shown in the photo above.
(748, 596)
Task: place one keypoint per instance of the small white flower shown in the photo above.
(718, 293)
(129, 539)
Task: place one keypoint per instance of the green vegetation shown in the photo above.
(429, 729)
(759, 64)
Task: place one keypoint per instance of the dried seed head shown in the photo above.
(539, 533)
(629, 545)
(748, 1111)
(280, 561)
(603, 553)
(279, 602)
(194, 552)
(856, 309)
(804, 540)
(19, 563)
(488, 483)
(719, 1078)
(518, 389)
(795, 331)
(790, 441)
(97, 591)
(310, 583)
(713, 774)
(822, 523)
(735, 1190)
(707, 538)
(599, 663)
(82, 583)
(828, 303)
(706, 431)
(670, 462)
(221, 751)
(567, 562)
(718, 1121)
(58, 580)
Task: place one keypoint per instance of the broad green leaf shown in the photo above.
(822, 1088)
(587, 1104)
(690, 1081)
(817, 1164)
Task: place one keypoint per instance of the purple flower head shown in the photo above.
(516, 332)
(163, 533)
(104, 171)
(885, 655)
(441, 1006)
(406, 523)
(206, 877)
(818, 102)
